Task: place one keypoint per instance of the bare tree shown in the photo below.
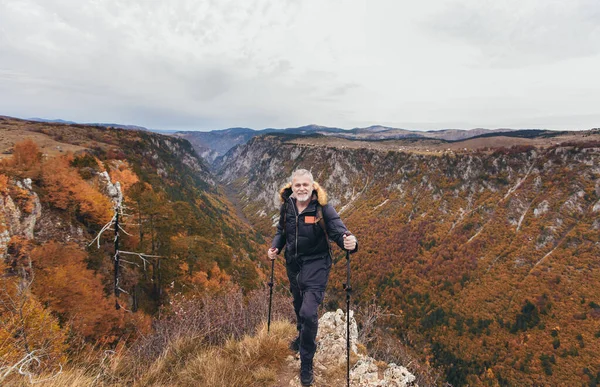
(115, 224)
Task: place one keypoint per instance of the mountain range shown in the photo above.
(213, 144)
(104, 124)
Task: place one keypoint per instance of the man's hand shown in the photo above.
(272, 253)
(349, 242)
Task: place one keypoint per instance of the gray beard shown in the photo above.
(302, 198)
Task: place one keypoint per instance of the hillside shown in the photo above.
(57, 192)
(484, 250)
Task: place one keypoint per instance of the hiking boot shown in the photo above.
(306, 374)
(295, 344)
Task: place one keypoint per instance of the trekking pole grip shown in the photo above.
(270, 283)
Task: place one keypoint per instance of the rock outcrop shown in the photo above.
(112, 190)
(18, 215)
(331, 354)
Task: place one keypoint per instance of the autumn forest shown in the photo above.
(482, 262)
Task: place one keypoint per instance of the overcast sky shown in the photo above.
(201, 65)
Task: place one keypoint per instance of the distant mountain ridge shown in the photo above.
(215, 143)
(103, 124)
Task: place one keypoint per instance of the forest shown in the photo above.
(482, 265)
(486, 260)
(178, 237)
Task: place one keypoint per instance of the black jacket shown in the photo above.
(302, 236)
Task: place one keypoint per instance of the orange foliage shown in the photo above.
(26, 154)
(76, 293)
(124, 175)
(23, 198)
(3, 183)
(25, 160)
(18, 254)
(25, 325)
(67, 190)
(214, 281)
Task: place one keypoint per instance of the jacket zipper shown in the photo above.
(296, 241)
(297, 216)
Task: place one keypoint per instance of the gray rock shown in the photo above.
(14, 219)
(4, 238)
(331, 351)
(113, 190)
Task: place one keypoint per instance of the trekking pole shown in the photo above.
(348, 289)
(270, 295)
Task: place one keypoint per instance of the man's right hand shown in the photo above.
(272, 253)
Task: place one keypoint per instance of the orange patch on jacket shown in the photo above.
(310, 220)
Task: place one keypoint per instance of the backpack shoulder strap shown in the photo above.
(321, 220)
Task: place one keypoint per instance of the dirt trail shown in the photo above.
(289, 377)
(289, 374)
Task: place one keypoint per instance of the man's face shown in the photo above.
(302, 187)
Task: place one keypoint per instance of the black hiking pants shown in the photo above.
(308, 281)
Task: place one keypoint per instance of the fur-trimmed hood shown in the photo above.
(318, 193)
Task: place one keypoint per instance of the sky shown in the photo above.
(208, 64)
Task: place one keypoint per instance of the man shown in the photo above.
(307, 256)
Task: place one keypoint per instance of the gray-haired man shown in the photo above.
(307, 256)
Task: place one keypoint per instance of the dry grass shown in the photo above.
(70, 378)
(211, 319)
(78, 374)
(252, 361)
(10, 135)
(212, 340)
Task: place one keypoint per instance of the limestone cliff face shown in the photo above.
(18, 216)
(171, 157)
(458, 242)
(452, 184)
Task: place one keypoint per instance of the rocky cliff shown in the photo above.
(19, 212)
(488, 254)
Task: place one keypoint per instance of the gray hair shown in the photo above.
(302, 172)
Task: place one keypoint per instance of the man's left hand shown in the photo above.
(349, 242)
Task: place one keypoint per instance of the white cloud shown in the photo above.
(189, 64)
(517, 33)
